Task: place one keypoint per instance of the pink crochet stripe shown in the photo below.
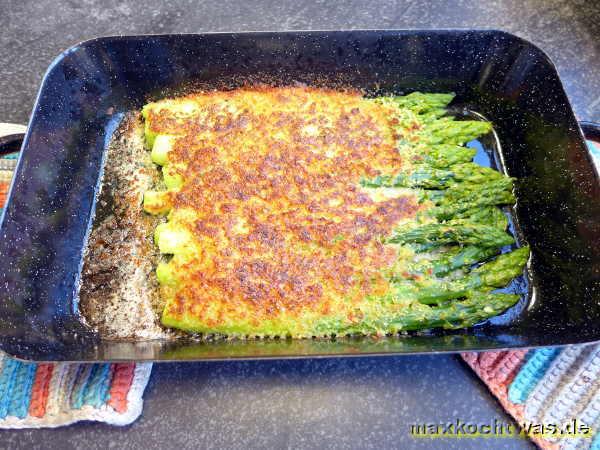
(488, 360)
(469, 358)
(497, 371)
(123, 376)
(507, 367)
(40, 390)
(498, 368)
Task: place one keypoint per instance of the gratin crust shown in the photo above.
(278, 231)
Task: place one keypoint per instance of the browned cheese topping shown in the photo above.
(273, 202)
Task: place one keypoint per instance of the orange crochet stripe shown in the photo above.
(3, 193)
(40, 390)
(122, 379)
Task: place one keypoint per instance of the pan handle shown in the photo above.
(591, 131)
(11, 136)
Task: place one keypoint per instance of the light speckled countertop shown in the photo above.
(323, 403)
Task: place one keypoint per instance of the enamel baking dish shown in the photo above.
(88, 89)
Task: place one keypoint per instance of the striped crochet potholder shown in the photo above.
(50, 395)
(547, 387)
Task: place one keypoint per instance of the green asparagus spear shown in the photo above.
(460, 257)
(464, 197)
(443, 156)
(451, 232)
(422, 103)
(450, 260)
(431, 115)
(421, 176)
(465, 192)
(447, 131)
(476, 308)
(460, 314)
(429, 177)
(490, 275)
(487, 215)
(474, 173)
(501, 270)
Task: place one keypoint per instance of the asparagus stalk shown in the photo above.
(461, 314)
(476, 308)
(428, 177)
(493, 274)
(488, 215)
(450, 260)
(436, 234)
(443, 156)
(460, 257)
(500, 271)
(421, 103)
(421, 176)
(458, 132)
(431, 115)
(474, 173)
(459, 199)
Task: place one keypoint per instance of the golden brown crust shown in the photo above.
(272, 177)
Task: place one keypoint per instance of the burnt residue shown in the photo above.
(119, 294)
